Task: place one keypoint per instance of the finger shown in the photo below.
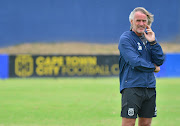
(148, 27)
(149, 31)
(145, 34)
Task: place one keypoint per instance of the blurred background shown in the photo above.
(61, 61)
(82, 27)
(87, 21)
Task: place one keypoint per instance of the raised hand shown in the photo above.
(150, 35)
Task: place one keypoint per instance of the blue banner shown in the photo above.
(67, 66)
(171, 67)
(4, 66)
(101, 21)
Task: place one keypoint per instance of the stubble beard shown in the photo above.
(140, 31)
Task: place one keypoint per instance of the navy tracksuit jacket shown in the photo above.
(136, 61)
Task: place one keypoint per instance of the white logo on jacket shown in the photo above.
(139, 46)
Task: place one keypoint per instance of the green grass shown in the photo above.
(77, 102)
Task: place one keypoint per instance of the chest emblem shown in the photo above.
(139, 46)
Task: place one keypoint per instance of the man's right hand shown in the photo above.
(157, 68)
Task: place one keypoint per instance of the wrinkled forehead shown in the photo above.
(140, 15)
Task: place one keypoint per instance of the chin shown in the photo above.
(141, 32)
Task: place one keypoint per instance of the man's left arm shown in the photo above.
(157, 54)
(156, 50)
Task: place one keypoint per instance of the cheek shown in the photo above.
(136, 24)
(145, 23)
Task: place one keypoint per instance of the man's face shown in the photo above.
(139, 22)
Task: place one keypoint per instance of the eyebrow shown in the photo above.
(140, 20)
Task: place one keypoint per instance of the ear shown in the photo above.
(131, 27)
(131, 22)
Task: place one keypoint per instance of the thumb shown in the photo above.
(145, 34)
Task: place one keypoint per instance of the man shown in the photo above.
(140, 57)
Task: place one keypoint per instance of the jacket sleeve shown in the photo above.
(132, 57)
(157, 54)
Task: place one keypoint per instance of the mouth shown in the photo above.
(141, 28)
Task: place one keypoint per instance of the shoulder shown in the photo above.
(126, 34)
(128, 38)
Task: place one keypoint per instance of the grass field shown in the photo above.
(78, 102)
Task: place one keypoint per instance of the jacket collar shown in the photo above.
(133, 33)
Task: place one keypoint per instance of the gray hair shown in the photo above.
(150, 16)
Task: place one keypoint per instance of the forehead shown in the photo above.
(140, 15)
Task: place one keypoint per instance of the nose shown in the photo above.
(141, 23)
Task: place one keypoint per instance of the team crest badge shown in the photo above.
(131, 111)
(24, 65)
